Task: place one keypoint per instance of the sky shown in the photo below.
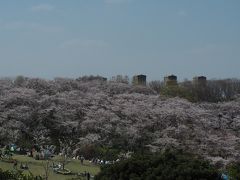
(72, 38)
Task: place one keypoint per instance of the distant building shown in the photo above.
(139, 80)
(200, 81)
(170, 80)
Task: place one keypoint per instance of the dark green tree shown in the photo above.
(170, 165)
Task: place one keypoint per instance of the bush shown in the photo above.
(234, 170)
(170, 165)
(17, 175)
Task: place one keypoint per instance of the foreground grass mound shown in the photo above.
(17, 175)
(166, 166)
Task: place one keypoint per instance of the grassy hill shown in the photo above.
(36, 167)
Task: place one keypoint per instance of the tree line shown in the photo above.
(89, 112)
(215, 90)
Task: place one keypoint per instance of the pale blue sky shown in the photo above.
(71, 38)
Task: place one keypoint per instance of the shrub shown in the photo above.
(169, 165)
(234, 170)
(17, 175)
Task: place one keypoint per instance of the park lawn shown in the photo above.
(36, 167)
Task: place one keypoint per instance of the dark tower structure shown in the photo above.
(170, 80)
(139, 80)
(200, 81)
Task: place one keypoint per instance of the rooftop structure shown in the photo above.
(139, 80)
(170, 80)
(200, 81)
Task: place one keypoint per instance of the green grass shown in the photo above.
(36, 167)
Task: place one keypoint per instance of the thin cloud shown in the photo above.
(31, 26)
(116, 1)
(42, 8)
(208, 48)
(84, 44)
(182, 13)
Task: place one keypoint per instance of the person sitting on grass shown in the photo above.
(24, 166)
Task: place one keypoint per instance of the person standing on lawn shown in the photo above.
(15, 164)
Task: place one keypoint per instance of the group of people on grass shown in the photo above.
(6, 152)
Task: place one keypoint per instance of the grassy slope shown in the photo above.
(37, 169)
